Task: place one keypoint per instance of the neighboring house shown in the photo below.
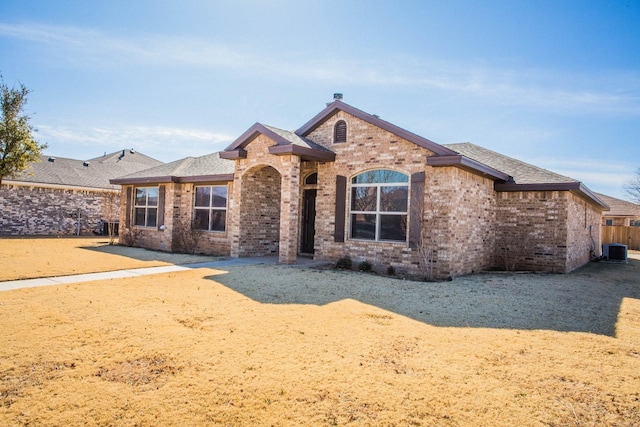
(621, 213)
(348, 184)
(59, 196)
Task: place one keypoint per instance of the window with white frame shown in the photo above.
(146, 206)
(210, 208)
(379, 205)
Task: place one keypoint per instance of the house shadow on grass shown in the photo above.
(587, 300)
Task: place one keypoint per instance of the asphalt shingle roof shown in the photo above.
(210, 164)
(295, 139)
(522, 173)
(618, 207)
(92, 173)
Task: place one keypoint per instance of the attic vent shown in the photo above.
(52, 159)
(132, 151)
(86, 163)
(340, 132)
(615, 252)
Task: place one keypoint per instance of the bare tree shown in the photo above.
(633, 187)
(111, 211)
(427, 246)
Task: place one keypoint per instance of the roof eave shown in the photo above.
(337, 105)
(222, 177)
(574, 187)
(143, 180)
(226, 177)
(469, 165)
(233, 154)
(303, 152)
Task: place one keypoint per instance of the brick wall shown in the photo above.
(459, 221)
(459, 207)
(40, 211)
(178, 211)
(260, 215)
(584, 236)
(532, 231)
(264, 187)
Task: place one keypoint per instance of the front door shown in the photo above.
(308, 221)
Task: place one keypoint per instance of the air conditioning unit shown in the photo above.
(614, 252)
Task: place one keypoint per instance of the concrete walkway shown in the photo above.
(135, 272)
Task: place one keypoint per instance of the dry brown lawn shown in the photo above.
(277, 345)
(31, 258)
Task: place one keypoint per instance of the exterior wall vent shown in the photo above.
(614, 252)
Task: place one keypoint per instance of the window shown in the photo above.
(211, 208)
(340, 132)
(379, 200)
(146, 206)
(634, 223)
(312, 179)
(608, 222)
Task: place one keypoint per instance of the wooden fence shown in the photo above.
(629, 236)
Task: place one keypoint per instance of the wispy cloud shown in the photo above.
(608, 177)
(613, 93)
(165, 143)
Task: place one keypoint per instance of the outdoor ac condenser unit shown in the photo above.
(614, 252)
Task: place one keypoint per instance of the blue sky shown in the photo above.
(554, 83)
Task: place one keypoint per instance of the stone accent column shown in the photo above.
(290, 210)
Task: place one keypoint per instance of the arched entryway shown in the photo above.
(259, 233)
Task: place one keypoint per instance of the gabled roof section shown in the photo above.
(619, 207)
(209, 168)
(338, 105)
(525, 176)
(94, 173)
(287, 142)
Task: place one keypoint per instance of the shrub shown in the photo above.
(364, 266)
(344, 263)
(391, 271)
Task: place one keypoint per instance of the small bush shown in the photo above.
(344, 263)
(364, 266)
(391, 271)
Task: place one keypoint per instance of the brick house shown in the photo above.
(61, 196)
(349, 184)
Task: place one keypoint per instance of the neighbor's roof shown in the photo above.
(620, 207)
(208, 168)
(92, 174)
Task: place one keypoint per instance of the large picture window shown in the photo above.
(146, 206)
(379, 202)
(211, 208)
